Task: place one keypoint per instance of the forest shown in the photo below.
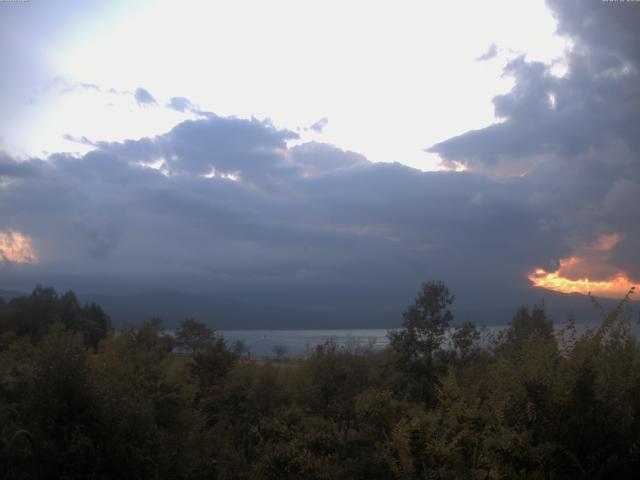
(82, 400)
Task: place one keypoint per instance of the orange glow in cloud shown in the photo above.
(590, 257)
(605, 243)
(16, 247)
(616, 286)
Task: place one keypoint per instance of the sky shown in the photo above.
(320, 151)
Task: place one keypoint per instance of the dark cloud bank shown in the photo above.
(577, 137)
(222, 206)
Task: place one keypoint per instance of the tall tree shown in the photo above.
(417, 344)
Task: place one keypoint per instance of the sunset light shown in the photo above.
(319, 239)
(16, 248)
(616, 286)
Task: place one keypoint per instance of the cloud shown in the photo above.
(314, 158)
(320, 125)
(180, 104)
(143, 97)
(606, 32)
(224, 203)
(65, 85)
(252, 149)
(239, 206)
(82, 140)
(16, 248)
(590, 260)
(576, 138)
(492, 52)
(10, 167)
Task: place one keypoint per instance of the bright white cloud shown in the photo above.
(391, 77)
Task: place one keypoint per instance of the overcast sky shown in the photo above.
(321, 147)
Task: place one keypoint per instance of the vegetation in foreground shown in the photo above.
(80, 401)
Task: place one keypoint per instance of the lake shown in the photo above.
(296, 343)
(261, 343)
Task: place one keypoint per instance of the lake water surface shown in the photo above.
(262, 343)
(296, 343)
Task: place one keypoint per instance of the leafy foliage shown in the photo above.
(79, 401)
(32, 316)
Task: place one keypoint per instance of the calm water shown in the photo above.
(263, 343)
